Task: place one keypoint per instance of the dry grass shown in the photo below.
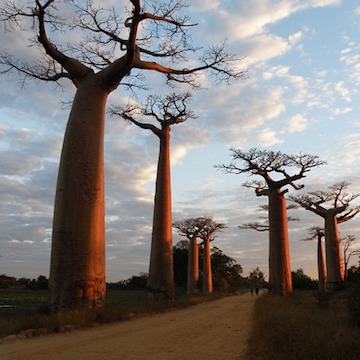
(303, 326)
(23, 309)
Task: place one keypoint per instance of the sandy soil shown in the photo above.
(215, 330)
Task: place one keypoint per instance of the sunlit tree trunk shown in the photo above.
(207, 286)
(280, 281)
(334, 257)
(321, 266)
(77, 269)
(161, 272)
(193, 266)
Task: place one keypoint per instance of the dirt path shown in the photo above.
(214, 330)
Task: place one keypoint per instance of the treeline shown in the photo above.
(40, 283)
(227, 275)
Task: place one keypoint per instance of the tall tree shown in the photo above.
(208, 234)
(334, 207)
(190, 228)
(96, 49)
(265, 163)
(166, 111)
(319, 233)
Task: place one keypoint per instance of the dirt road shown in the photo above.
(215, 330)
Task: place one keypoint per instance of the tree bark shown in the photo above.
(207, 286)
(321, 266)
(161, 272)
(280, 281)
(193, 266)
(77, 269)
(334, 257)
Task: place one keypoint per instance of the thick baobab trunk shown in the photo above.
(280, 281)
(77, 269)
(161, 272)
(207, 286)
(334, 258)
(193, 266)
(321, 266)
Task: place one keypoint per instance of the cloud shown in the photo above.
(296, 123)
(267, 137)
(341, 89)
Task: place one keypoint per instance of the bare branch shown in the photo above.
(168, 110)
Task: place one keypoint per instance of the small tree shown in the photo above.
(190, 228)
(318, 233)
(257, 278)
(334, 207)
(347, 243)
(208, 234)
(166, 111)
(270, 166)
(96, 49)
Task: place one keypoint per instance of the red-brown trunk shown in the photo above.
(77, 271)
(161, 272)
(334, 257)
(193, 266)
(321, 266)
(207, 274)
(280, 281)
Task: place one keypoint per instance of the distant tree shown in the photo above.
(190, 228)
(225, 271)
(96, 50)
(7, 281)
(334, 207)
(264, 226)
(207, 234)
(347, 243)
(180, 256)
(318, 233)
(136, 282)
(270, 166)
(166, 111)
(42, 282)
(302, 281)
(257, 278)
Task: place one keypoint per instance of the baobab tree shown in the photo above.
(334, 207)
(190, 228)
(96, 50)
(166, 111)
(347, 243)
(318, 233)
(270, 166)
(208, 234)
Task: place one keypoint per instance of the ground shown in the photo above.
(212, 330)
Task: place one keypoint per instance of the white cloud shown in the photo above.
(341, 89)
(296, 123)
(267, 137)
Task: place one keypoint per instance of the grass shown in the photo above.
(304, 326)
(23, 309)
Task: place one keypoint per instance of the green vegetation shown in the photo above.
(306, 326)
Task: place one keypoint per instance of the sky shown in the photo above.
(301, 94)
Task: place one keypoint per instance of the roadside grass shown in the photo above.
(304, 325)
(25, 311)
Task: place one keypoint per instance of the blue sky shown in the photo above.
(301, 94)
